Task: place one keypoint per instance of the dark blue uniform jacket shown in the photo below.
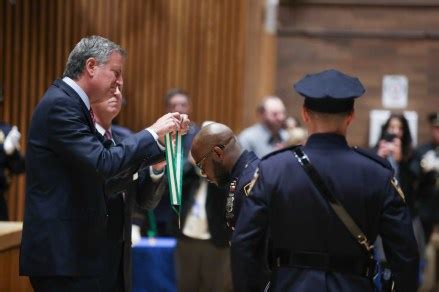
(242, 172)
(285, 203)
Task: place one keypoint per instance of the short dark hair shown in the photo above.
(173, 92)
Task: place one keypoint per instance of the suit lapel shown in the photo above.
(71, 92)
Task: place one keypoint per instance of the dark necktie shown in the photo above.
(108, 135)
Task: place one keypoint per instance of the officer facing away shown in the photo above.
(312, 248)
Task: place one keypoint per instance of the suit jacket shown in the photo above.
(123, 193)
(286, 203)
(65, 220)
(12, 164)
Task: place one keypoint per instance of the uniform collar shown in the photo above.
(244, 160)
(326, 141)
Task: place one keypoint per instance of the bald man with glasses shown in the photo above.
(220, 157)
(224, 162)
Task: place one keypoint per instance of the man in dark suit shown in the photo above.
(66, 215)
(11, 162)
(121, 194)
(312, 249)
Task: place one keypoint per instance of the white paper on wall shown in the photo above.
(395, 91)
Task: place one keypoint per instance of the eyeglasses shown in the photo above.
(199, 164)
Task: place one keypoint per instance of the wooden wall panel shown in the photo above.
(216, 50)
(368, 41)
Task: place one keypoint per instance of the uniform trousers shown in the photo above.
(201, 266)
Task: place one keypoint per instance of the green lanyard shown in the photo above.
(174, 165)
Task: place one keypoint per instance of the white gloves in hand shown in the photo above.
(12, 141)
(135, 234)
(430, 161)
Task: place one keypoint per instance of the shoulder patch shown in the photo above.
(279, 151)
(248, 187)
(397, 187)
(373, 157)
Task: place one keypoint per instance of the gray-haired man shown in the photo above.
(65, 214)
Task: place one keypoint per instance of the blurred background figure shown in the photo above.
(122, 194)
(425, 167)
(162, 218)
(296, 134)
(202, 255)
(268, 134)
(11, 162)
(396, 146)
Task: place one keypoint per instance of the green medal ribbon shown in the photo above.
(152, 226)
(174, 165)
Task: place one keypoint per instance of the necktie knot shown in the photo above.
(108, 135)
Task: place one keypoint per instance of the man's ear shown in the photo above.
(351, 117)
(218, 152)
(305, 114)
(90, 66)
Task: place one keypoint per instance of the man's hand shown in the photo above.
(185, 124)
(12, 141)
(166, 124)
(171, 122)
(159, 167)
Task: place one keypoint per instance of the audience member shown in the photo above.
(176, 99)
(11, 162)
(395, 145)
(426, 168)
(121, 194)
(202, 254)
(269, 133)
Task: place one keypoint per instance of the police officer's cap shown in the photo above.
(329, 91)
(433, 118)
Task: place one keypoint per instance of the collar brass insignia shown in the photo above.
(248, 187)
(2, 137)
(397, 187)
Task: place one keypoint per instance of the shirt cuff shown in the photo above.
(156, 138)
(154, 176)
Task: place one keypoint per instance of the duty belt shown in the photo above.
(324, 262)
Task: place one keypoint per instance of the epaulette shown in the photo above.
(279, 151)
(373, 157)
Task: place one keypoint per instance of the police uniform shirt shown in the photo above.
(242, 174)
